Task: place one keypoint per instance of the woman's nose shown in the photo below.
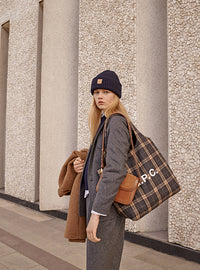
(100, 95)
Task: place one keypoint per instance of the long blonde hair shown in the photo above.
(95, 114)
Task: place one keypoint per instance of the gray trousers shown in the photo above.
(106, 254)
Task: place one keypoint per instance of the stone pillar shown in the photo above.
(21, 165)
(184, 118)
(152, 92)
(59, 92)
(107, 40)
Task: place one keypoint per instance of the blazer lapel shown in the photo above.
(92, 147)
(96, 136)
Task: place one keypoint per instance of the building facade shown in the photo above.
(50, 51)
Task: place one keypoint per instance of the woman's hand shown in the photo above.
(78, 165)
(92, 228)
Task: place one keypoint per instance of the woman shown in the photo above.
(105, 227)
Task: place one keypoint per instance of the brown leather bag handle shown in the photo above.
(131, 138)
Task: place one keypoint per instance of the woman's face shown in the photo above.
(103, 98)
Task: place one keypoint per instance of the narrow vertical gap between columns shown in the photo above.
(5, 28)
(38, 98)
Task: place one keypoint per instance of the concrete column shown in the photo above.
(21, 124)
(152, 101)
(3, 90)
(184, 118)
(59, 91)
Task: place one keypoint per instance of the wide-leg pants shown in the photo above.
(106, 254)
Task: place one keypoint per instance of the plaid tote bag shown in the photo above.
(157, 181)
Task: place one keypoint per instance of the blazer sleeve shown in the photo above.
(118, 146)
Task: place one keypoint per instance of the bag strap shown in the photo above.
(131, 138)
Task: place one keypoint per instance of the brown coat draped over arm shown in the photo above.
(69, 184)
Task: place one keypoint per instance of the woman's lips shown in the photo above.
(100, 102)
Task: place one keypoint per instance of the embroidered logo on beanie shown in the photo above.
(99, 81)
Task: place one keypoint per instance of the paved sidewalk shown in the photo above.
(33, 240)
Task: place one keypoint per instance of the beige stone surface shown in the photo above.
(184, 96)
(20, 162)
(107, 40)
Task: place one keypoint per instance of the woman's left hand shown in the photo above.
(78, 165)
(92, 228)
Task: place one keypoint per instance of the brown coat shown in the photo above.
(69, 184)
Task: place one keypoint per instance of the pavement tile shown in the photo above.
(24, 211)
(5, 250)
(133, 250)
(167, 262)
(47, 233)
(34, 253)
(16, 261)
(3, 267)
(39, 267)
(134, 264)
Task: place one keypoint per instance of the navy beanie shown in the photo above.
(107, 80)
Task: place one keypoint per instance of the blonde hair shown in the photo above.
(95, 114)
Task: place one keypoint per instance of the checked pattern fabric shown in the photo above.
(158, 182)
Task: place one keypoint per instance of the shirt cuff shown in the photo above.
(96, 213)
(86, 194)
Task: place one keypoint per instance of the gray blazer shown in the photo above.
(117, 146)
